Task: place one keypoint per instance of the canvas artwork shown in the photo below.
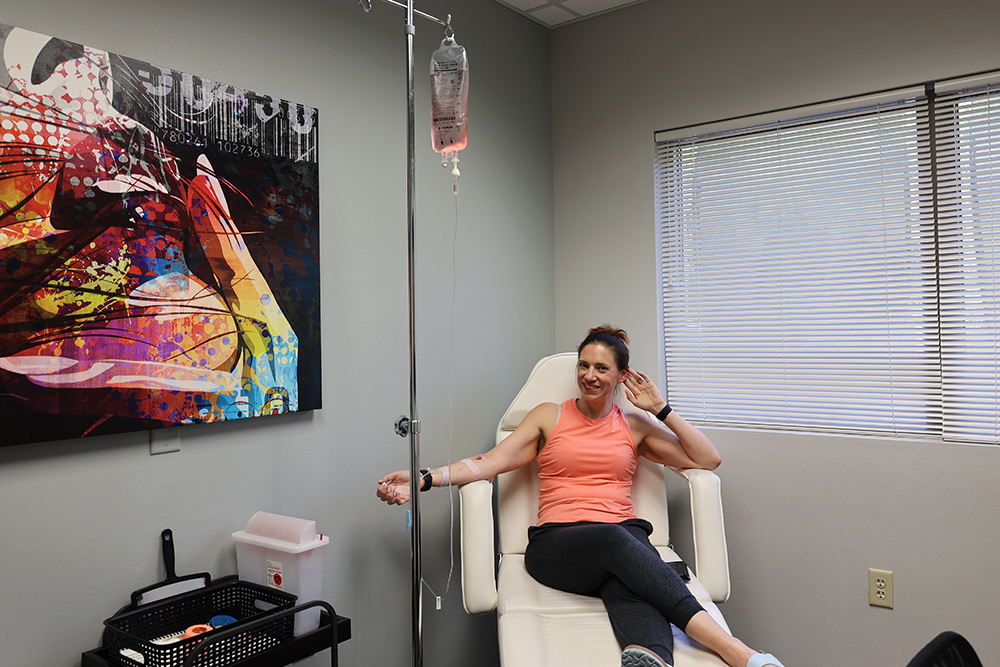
(159, 246)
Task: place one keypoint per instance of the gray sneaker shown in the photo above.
(637, 656)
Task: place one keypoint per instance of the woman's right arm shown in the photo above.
(515, 451)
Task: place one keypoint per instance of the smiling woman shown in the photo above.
(588, 539)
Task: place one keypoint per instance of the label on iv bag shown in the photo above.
(274, 578)
(447, 84)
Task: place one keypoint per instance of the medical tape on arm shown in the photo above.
(445, 475)
(472, 466)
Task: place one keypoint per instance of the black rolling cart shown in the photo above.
(260, 634)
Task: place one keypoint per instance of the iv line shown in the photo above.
(451, 396)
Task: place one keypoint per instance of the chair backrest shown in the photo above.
(948, 649)
(553, 379)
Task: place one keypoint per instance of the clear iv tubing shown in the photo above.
(451, 395)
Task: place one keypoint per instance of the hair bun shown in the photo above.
(609, 330)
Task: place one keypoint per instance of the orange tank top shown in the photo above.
(586, 468)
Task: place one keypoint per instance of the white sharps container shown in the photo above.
(284, 553)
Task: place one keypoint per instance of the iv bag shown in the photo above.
(449, 98)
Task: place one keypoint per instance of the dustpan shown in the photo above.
(173, 584)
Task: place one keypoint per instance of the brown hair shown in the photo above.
(614, 339)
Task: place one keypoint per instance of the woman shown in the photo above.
(588, 540)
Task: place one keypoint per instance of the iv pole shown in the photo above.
(411, 425)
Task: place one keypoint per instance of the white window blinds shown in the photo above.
(810, 276)
(967, 128)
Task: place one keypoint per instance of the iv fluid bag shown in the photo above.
(449, 98)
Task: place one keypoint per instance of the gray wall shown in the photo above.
(806, 515)
(80, 520)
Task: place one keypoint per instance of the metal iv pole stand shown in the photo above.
(411, 425)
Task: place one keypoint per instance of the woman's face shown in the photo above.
(597, 373)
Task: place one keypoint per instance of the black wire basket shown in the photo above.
(153, 635)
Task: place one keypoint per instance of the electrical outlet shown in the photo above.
(880, 588)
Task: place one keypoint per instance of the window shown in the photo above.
(837, 268)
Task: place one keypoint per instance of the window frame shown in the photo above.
(930, 204)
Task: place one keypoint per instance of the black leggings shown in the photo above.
(617, 563)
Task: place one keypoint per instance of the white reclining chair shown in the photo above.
(542, 627)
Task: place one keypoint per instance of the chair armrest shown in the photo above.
(711, 554)
(479, 583)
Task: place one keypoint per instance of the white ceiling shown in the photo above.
(555, 13)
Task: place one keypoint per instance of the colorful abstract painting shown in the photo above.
(159, 246)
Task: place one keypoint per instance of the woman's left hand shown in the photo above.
(394, 488)
(642, 392)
